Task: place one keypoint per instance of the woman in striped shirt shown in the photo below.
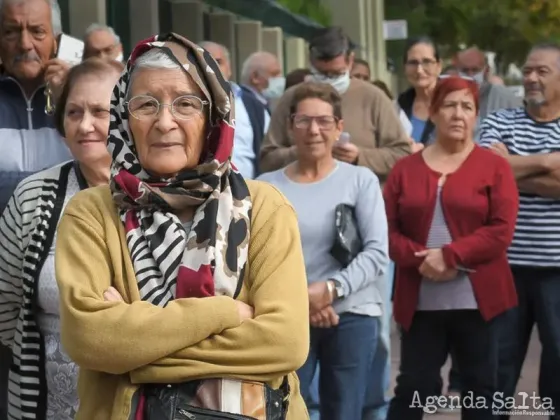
(42, 378)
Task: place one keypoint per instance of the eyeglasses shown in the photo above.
(324, 122)
(426, 63)
(183, 108)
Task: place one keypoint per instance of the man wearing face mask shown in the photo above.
(262, 76)
(103, 42)
(493, 97)
(374, 136)
(251, 117)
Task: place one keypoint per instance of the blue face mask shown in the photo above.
(340, 83)
(275, 87)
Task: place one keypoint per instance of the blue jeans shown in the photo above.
(377, 399)
(344, 354)
(538, 290)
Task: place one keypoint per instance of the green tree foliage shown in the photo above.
(312, 9)
(507, 27)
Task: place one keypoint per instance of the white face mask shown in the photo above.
(340, 83)
(478, 77)
(275, 87)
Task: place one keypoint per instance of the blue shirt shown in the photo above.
(418, 127)
(243, 156)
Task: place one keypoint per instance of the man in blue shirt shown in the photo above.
(251, 117)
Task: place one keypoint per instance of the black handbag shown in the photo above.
(347, 241)
(206, 400)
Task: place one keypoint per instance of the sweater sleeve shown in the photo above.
(392, 140)
(272, 344)
(11, 268)
(401, 248)
(117, 337)
(372, 262)
(277, 150)
(493, 239)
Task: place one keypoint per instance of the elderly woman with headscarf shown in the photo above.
(183, 288)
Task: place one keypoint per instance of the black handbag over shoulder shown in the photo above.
(347, 241)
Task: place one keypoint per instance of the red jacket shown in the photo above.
(480, 202)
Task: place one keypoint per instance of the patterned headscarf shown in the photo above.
(168, 263)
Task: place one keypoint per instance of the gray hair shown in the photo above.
(255, 63)
(56, 16)
(95, 27)
(152, 59)
(209, 44)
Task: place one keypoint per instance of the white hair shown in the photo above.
(152, 59)
(95, 27)
(209, 44)
(56, 16)
(255, 63)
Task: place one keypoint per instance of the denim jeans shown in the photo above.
(424, 350)
(377, 399)
(344, 354)
(538, 290)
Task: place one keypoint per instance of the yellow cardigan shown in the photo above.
(119, 346)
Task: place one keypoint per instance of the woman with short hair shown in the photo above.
(345, 303)
(451, 210)
(43, 378)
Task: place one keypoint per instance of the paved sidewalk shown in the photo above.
(527, 383)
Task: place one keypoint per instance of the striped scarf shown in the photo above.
(169, 262)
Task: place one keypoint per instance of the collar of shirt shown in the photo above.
(258, 95)
(235, 88)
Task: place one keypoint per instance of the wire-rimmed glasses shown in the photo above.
(183, 107)
(324, 122)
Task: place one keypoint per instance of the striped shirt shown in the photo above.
(27, 233)
(444, 295)
(537, 233)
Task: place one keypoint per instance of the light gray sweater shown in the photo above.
(315, 205)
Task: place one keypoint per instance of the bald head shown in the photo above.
(221, 54)
(258, 68)
(472, 62)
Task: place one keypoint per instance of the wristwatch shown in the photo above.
(338, 289)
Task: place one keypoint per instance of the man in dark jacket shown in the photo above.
(251, 117)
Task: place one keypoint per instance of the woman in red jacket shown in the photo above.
(451, 210)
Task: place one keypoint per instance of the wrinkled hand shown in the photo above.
(325, 318)
(500, 149)
(245, 311)
(346, 152)
(56, 71)
(434, 266)
(112, 295)
(319, 296)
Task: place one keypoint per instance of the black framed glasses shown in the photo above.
(184, 107)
